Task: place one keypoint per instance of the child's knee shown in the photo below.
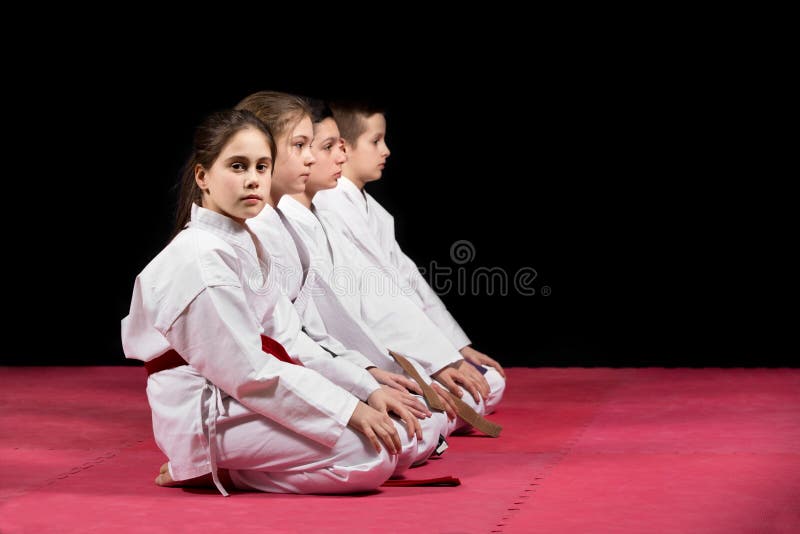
(497, 386)
(432, 427)
(371, 475)
(408, 451)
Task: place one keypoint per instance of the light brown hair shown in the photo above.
(351, 117)
(279, 111)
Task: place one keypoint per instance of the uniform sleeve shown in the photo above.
(409, 276)
(304, 339)
(315, 328)
(218, 336)
(340, 370)
(399, 322)
(432, 305)
(363, 348)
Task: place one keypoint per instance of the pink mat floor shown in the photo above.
(583, 450)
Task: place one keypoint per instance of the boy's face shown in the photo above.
(329, 154)
(366, 160)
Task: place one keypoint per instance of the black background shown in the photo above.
(641, 185)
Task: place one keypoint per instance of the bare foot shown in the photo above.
(203, 481)
(163, 478)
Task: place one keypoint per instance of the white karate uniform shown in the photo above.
(284, 277)
(277, 427)
(371, 228)
(373, 298)
(301, 320)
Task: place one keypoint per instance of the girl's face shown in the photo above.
(367, 158)
(293, 161)
(237, 184)
(328, 150)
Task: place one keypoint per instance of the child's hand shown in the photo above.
(385, 402)
(447, 400)
(412, 403)
(451, 377)
(470, 371)
(394, 380)
(479, 358)
(377, 426)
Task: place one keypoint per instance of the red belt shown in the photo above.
(172, 359)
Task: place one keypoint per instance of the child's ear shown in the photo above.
(200, 177)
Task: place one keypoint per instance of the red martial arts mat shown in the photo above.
(582, 450)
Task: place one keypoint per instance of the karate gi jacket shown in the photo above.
(301, 328)
(206, 296)
(370, 296)
(371, 228)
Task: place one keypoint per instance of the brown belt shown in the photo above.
(475, 419)
(463, 409)
(427, 391)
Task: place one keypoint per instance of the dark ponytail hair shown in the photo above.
(319, 109)
(210, 137)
